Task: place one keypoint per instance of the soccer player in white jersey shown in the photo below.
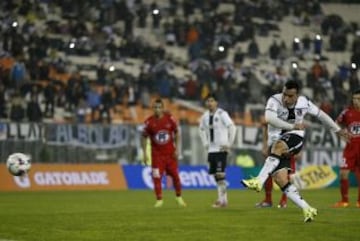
(217, 132)
(284, 113)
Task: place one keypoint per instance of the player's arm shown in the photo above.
(330, 123)
(144, 147)
(144, 139)
(231, 130)
(203, 134)
(177, 137)
(272, 119)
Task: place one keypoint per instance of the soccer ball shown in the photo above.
(18, 164)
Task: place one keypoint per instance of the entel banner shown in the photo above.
(65, 177)
(192, 177)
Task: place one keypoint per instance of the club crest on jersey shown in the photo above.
(298, 112)
(162, 137)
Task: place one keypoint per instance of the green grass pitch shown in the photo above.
(130, 216)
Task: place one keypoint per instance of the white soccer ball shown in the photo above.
(18, 164)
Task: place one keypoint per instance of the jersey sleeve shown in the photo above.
(341, 118)
(272, 105)
(174, 123)
(226, 119)
(313, 109)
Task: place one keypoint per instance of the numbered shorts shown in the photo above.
(295, 144)
(217, 162)
(164, 164)
(351, 156)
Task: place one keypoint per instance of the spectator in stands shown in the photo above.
(3, 104)
(49, 95)
(106, 105)
(274, 50)
(81, 111)
(17, 110)
(18, 74)
(93, 100)
(33, 110)
(253, 49)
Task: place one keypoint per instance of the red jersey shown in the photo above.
(161, 132)
(350, 117)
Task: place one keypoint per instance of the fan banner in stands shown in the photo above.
(21, 131)
(192, 177)
(88, 136)
(65, 177)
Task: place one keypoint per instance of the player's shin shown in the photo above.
(269, 166)
(221, 188)
(293, 194)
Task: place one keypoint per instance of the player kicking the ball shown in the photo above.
(284, 113)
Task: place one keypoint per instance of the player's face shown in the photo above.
(211, 104)
(289, 97)
(158, 109)
(356, 101)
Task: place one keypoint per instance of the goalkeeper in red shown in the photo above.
(162, 129)
(350, 118)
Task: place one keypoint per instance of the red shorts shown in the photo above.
(351, 156)
(162, 164)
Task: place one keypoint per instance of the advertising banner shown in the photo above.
(192, 177)
(65, 177)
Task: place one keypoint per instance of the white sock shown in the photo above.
(222, 194)
(269, 166)
(293, 194)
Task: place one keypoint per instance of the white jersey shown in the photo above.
(302, 107)
(216, 130)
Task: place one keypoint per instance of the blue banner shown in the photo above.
(192, 177)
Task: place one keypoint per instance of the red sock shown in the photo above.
(268, 190)
(357, 174)
(157, 188)
(177, 185)
(344, 189)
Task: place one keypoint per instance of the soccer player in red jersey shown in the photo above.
(162, 130)
(350, 118)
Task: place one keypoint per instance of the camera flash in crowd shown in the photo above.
(14, 24)
(156, 11)
(318, 37)
(221, 48)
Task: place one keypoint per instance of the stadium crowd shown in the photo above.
(37, 76)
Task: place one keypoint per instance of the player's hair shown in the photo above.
(355, 92)
(211, 95)
(158, 101)
(292, 84)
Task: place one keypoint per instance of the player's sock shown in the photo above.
(177, 185)
(268, 186)
(357, 174)
(222, 194)
(293, 194)
(344, 189)
(269, 166)
(157, 188)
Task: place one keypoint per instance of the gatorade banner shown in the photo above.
(192, 177)
(65, 177)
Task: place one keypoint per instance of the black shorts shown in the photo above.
(295, 144)
(217, 162)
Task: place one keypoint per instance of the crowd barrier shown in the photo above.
(54, 177)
